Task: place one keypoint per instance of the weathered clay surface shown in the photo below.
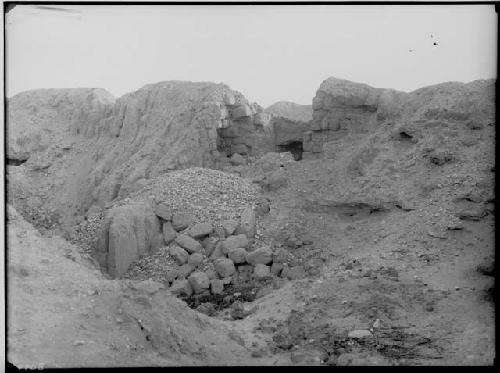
(42, 118)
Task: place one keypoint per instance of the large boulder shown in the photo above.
(169, 232)
(181, 221)
(163, 211)
(262, 255)
(189, 244)
(179, 254)
(234, 242)
(184, 271)
(224, 267)
(129, 232)
(237, 255)
(200, 230)
(195, 259)
(199, 281)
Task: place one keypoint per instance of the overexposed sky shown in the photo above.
(268, 53)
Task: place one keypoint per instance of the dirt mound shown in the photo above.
(43, 118)
(290, 110)
(453, 101)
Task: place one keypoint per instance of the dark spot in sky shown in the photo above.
(435, 43)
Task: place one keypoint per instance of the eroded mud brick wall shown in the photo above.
(341, 107)
(243, 128)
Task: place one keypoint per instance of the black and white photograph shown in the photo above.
(249, 184)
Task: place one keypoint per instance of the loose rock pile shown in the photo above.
(189, 210)
(201, 258)
(208, 222)
(211, 243)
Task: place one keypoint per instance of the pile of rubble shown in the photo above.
(201, 258)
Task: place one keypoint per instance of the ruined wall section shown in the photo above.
(341, 107)
(243, 129)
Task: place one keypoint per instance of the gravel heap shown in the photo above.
(210, 195)
(86, 234)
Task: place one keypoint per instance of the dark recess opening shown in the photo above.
(294, 147)
(15, 162)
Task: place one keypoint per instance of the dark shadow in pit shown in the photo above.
(294, 147)
(230, 295)
(233, 296)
